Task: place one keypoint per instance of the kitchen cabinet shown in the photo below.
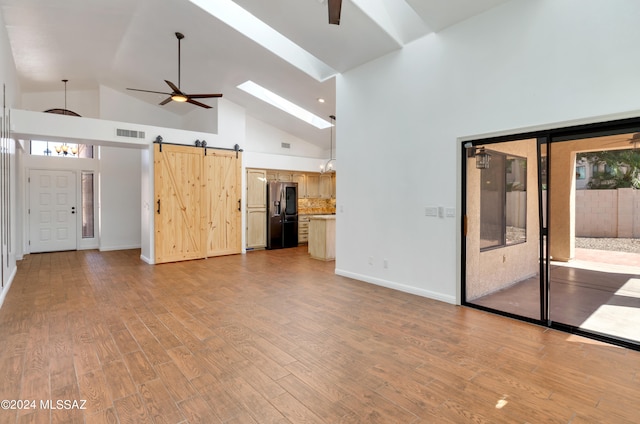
(256, 208)
(326, 186)
(285, 176)
(322, 237)
(333, 185)
(313, 186)
(301, 179)
(303, 229)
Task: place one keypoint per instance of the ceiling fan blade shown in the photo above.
(149, 91)
(173, 87)
(335, 7)
(194, 102)
(178, 94)
(203, 96)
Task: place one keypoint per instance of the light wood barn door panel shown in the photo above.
(223, 193)
(178, 196)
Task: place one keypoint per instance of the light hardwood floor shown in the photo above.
(275, 336)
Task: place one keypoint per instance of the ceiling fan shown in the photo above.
(178, 95)
(334, 7)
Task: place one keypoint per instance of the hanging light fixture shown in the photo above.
(64, 149)
(328, 167)
(482, 158)
(65, 81)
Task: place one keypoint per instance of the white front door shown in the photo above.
(52, 211)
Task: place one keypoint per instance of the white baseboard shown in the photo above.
(5, 290)
(147, 260)
(397, 286)
(126, 247)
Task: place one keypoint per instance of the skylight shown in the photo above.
(283, 104)
(258, 31)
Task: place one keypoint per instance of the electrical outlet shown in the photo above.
(450, 212)
(385, 263)
(370, 260)
(441, 211)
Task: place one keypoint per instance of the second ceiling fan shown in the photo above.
(178, 95)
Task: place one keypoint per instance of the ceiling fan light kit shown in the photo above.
(179, 98)
(177, 95)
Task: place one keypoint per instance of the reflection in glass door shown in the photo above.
(552, 229)
(594, 231)
(502, 243)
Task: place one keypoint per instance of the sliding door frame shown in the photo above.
(545, 138)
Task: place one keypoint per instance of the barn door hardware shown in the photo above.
(159, 141)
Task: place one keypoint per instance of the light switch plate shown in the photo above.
(430, 211)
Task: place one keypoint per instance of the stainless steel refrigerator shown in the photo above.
(282, 214)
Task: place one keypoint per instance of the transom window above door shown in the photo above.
(61, 149)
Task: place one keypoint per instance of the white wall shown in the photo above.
(116, 106)
(8, 75)
(120, 194)
(82, 102)
(526, 63)
(10, 98)
(264, 138)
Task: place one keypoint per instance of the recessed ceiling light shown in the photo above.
(320, 100)
(283, 104)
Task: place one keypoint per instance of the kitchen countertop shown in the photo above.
(322, 217)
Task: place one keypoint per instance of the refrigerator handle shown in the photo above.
(282, 201)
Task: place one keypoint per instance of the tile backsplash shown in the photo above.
(316, 206)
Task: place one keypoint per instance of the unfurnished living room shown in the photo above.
(319, 211)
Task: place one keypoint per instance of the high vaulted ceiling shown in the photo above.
(132, 43)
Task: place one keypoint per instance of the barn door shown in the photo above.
(178, 197)
(222, 200)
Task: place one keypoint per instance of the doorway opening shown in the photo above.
(552, 229)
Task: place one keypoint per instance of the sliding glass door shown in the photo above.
(594, 227)
(502, 243)
(551, 230)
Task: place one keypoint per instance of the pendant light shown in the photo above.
(328, 167)
(65, 81)
(64, 149)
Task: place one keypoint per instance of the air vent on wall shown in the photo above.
(285, 145)
(129, 133)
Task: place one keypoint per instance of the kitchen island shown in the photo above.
(322, 237)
